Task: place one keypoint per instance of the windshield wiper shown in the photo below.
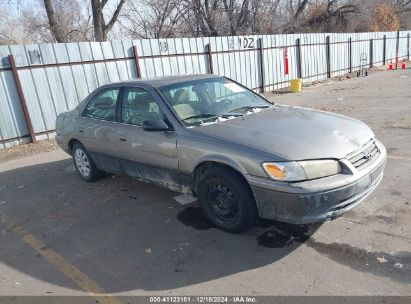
(203, 115)
(225, 115)
(211, 115)
(250, 108)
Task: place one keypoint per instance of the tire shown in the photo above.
(226, 199)
(85, 166)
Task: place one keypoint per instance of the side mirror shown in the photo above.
(155, 125)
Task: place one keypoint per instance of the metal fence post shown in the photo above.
(261, 64)
(328, 56)
(22, 99)
(397, 49)
(136, 62)
(350, 54)
(384, 50)
(299, 63)
(371, 53)
(408, 46)
(210, 58)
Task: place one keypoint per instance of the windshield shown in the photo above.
(205, 100)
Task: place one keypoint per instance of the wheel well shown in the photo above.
(203, 167)
(71, 143)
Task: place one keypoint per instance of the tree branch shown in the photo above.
(114, 18)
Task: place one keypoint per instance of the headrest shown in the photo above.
(181, 96)
(139, 103)
(105, 102)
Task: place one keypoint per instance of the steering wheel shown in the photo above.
(222, 104)
(225, 101)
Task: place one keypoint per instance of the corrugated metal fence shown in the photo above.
(39, 81)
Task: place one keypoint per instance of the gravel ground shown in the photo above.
(21, 151)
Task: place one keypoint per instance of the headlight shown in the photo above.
(301, 170)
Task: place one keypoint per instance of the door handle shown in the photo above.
(81, 131)
(123, 139)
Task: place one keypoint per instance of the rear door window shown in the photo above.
(103, 105)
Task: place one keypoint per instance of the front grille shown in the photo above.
(366, 155)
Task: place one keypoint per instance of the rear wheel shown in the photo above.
(226, 199)
(85, 166)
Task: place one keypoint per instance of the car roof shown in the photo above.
(165, 80)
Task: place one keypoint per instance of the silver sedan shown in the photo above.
(209, 137)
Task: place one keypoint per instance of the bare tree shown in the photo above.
(101, 28)
(385, 18)
(59, 21)
(238, 13)
(294, 10)
(55, 25)
(66, 20)
(207, 13)
(153, 18)
(400, 5)
(402, 9)
(265, 17)
(11, 29)
(319, 15)
(330, 16)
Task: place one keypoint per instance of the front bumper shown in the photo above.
(317, 200)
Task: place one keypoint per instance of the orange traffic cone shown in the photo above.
(390, 66)
(403, 64)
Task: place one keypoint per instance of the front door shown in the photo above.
(149, 156)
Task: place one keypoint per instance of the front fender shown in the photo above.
(221, 159)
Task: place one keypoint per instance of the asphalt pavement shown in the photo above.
(62, 236)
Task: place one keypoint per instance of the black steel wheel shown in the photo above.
(222, 202)
(226, 199)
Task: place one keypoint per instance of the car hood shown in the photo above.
(294, 133)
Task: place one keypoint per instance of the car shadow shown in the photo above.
(125, 234)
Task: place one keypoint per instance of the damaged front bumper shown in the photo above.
(321, 199)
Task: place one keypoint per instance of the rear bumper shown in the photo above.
(317, 200)
(62, 141)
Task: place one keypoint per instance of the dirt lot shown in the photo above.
(62, 236)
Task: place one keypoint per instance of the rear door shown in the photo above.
(97, 128)
(149, 156)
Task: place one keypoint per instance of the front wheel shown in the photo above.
(85, 166)
(226, 199)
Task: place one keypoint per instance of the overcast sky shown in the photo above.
(14, 6)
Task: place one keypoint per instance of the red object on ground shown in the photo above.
(403, 64)
(390, 66)
(286, 60)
